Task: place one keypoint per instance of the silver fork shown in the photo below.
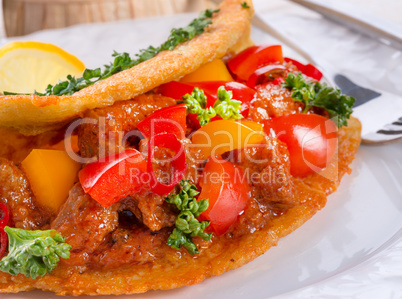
(368, 101)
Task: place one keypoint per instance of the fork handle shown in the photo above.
(356, 19)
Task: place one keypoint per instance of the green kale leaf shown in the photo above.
(33, 253)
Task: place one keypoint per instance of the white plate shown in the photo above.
(362, 219)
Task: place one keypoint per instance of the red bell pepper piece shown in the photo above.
(114, 177)
(3, 222)
(228, 192)
(278, 81)
(264, 74)
(166, 120)
(311, 71)
(247, 61)
(297, 64)
(4, 215)
(240, 92)
(307, 69)
(175, 90)
(177, 163)
(3, 242)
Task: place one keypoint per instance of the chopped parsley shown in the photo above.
(224, 106)
(187, 226)
(316, 94)
(245, 5)
(123, 61)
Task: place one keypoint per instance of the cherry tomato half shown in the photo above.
(311, 140)
(228, 192)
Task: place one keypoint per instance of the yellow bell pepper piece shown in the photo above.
(252, 125)
(218, 137)
(51, 174)
(215, 70)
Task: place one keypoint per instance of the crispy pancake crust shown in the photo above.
(180, 268)
(32, 114)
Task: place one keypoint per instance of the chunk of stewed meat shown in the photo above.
(126, 246)
(85, 224)
(194, 159)
(148, 209)
(16, 194)
(272, 101)
(107, 237)
(104, 130)
(266, 168)
(15, 146)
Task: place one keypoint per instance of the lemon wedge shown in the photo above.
(29, 66)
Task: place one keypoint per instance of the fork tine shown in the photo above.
(392, 128)
(389, 132)
(371, 101)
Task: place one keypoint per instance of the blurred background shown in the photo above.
(21, 17)
(26, 16)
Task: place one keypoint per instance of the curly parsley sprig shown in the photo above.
(122, 61)
(33, 253)
(187, 226)
(196, 103)
(316, 94)
(224, 106)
